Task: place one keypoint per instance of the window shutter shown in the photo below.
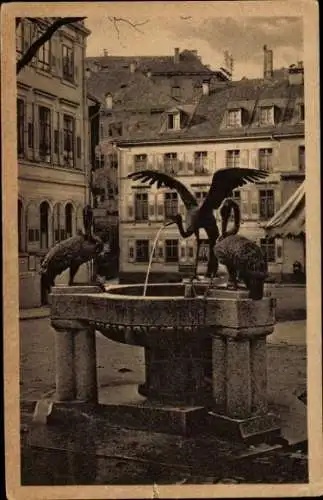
(56, 223)
(279, 250)
(61, 143)
(190, 251)
(62, 227)
(76, 133)
(189, 163)
(277, 199)
(151, 206)
(33, 226)
(244, 158)
(151, 245)
(160, 207)
(76, 73)
(130, 207)
(254, 203)
(211, 162)
(254, 162)
(30, 131)
(181, 207)
(36, 133)
(79, 219)
(294, 156)
(78, 147)
(181, 162)
(182, 251)
(159, 162)
(131, 250)
(245, 212)
(160, 251)
(129, 163)
(275, 159)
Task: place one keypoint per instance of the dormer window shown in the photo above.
(108, 101)
(267, 115)
(234, 118)
(173, 121)
(176, 92)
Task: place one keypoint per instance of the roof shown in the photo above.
(290, 219)
(208, 115)
(189, 62)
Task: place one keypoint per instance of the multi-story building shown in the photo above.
(53, 152)
(248, 123)
(130, 90)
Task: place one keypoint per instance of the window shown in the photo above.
(234, 118)
(265, 159)
(176, 92)
(200, 161)
(99, 161)
(301, 112)
(267, 246)
(68, 142)
(141, 206)
(140, 162)
(173, 121)
(267, 115)
(20, 222)
(68, 63)
(68, 220)
(237, 196)
(43, 54)
(200, 196)
(170, 204)
(44, 134)
(44, 216)
(20, 127)
(267, 203)
(171, 163)
(233, 158)
(142, 250)
(171, 250)
(19, 39)
(301, 158)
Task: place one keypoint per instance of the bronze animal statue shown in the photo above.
(242, 257)
(71, 253)
(224, 181)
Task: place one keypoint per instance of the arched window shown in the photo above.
(68, 220)
(44, 216)
(20, 226)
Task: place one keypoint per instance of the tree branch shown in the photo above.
(115, 20)
(35, 46)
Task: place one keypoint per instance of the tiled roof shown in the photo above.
(208, 117)
(188, 63)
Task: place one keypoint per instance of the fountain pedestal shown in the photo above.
(205, 356)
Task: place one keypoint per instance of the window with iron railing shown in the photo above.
(233, 158)
(142, 250)
(266, 203)
(200, 162)
(171, 163)
(171, 250)
(140, 162)
(44, 54)
(68, 143)
(266, 159)
(45, 134)
(267, 246)
(170, 204)
(141, 206)
(20, 127)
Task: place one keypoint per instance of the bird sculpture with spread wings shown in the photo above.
(224, 181)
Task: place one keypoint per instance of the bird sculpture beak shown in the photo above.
(169, 223)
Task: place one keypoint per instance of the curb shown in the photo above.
(37, 313)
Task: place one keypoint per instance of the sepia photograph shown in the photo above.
(162, 249)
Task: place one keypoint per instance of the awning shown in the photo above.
(290, 219)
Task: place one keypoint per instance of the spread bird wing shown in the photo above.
(164, 180)
(227, 179)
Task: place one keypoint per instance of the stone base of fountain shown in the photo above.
(205, 356)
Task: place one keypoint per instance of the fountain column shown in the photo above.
(239, 366)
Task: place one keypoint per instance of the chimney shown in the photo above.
(105, 52)
(205, 87)
(87, 73)
(133, 66)
(108, 101)
(268, 63)
(176, 56)
(148, 74)
(296, 74)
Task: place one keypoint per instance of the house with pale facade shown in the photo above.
(248, 123)
(52, 148)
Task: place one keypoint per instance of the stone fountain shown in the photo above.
(205, 355)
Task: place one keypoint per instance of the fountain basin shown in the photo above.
(123, 314)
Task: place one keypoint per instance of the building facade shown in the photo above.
(251, 124)
(53, 150)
